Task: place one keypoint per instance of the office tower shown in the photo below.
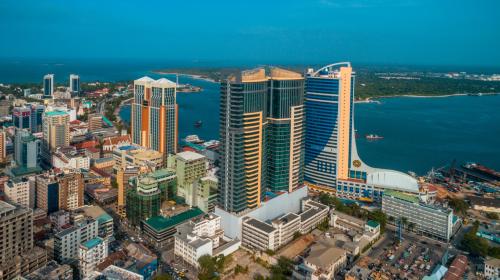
(74, 83)
(37, 111)
(17, 191)
(285, 138)
(154, 115)
(143, 200)
(47, 192)
(55, 131)
(27, 150)
(95, 122)
(21, 117)
(261, 136)
(332, 163)
(71, 189)
(3, 148)
(48, 85)
(16, 228)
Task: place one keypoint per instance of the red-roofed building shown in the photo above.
(111, 143)
(457, 268)
(87, 144)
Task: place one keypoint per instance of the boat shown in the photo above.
(198, 123)
(193, 139)
(373, 137)
(482, 169)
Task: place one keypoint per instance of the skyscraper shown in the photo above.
(154, 115)
(21, 117)
(74, 83)
(331, 160)
(48, 85)
(261, 136)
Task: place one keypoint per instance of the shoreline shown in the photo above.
(193, 76)
(375, 99)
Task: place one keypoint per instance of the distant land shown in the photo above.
(375, 83)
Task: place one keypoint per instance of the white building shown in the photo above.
(92, 253)
(426, 219)
(492, 268)
(70, 158)
(17, 191)
(259, 235)
(200, 236)
(67, 242)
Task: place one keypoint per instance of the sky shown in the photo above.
(406, 32)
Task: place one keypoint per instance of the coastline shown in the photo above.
(193, 76)
(375, 99)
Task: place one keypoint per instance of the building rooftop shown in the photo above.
(55, 113)
(260, 225)
(6, 207)
(482, 201)
(324, 253)
(492, 262)
(189, 156)
(372, 223)
(160, 223)
(92, 243)
(114, 272)
(402, 196)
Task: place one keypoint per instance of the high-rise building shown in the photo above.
(95, 122)
(27, 150)
(154, 115)
(71, 191)
(21, 117)
(48, 85)
(55, 131)
(37, 117)
(261, 134)
(17, 253)
(3, 148)
(17, 191)
(47, 192)
(143, 200)
(74, 83)
(190, 167)
(332, 163)
(67, 242)
(92, 253)
(123, 174)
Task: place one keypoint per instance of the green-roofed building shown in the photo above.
(426, 219)
(160, 230)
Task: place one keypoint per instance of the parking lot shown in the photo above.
(413, 258)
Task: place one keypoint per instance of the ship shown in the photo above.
(198, 123)
(483, 170)
(373, 137)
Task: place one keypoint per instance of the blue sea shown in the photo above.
(419, 133)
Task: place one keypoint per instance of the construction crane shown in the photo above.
(452, 171)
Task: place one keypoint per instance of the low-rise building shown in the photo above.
(137, 156)
(52, 271)
(259, 236)
(313, 213)
(118, 273)
(323, 262)
(160, 230)
(92, 253)
(104, 220)
(198, 237)
(69, 157)
(429, 220)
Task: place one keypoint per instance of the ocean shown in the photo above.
(419, 133)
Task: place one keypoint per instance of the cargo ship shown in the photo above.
(483, 170)
(373, 137)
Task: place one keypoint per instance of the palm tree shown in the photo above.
(411, 226)
(404, 221)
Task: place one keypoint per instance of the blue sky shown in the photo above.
(425, 32)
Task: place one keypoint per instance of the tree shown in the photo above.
(404, 221)
(459, 205)
(492, 215)
(380, 217)
(163, 277)
(411, 226)
(208, 269)
(282, 270)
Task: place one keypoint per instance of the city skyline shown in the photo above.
(383, 32)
